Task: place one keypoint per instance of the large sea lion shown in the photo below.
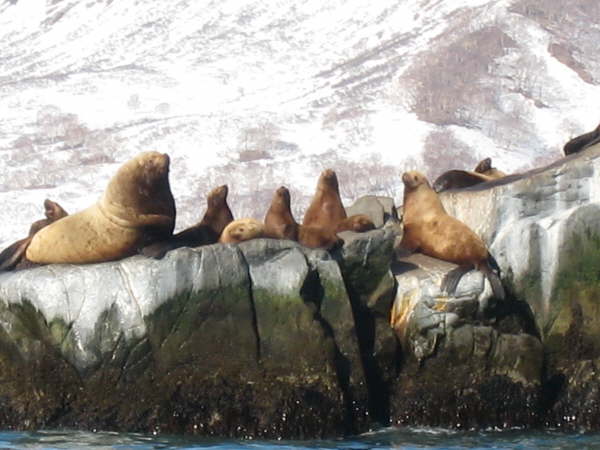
(582, 142)
(241, 230)
(137, 208)
(13, 256)
(430, 230)
(456, 179)
(326, 209)
(280, 224)
(216, 217)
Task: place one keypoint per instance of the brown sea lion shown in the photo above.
(216, 217)
(279, 221)
(326, 209)
(430, 230)
(358, 223)
(280, 224)
(582, 142)
(13, 257)
(241, 230)
(456, 179)
(137, 208)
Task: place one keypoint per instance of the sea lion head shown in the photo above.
(53, 210)
(413, 179)
(329, 178)
(140, 187)
(282, 195)
(217, 196)
(484, 165)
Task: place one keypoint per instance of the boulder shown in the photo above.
(468, 361)
(543, 228)
(380, 209)
(365, 261)
(255, 340)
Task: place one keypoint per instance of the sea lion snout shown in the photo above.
(218, 194)
(283, 193)
(330, 178)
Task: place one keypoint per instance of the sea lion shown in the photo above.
(456, 179)
(358, 223)
(280, 224)
(241, 230)
(216, 217)
(13, 257)
(279, 220)
(582, 142)
(326, 209)
(430, 230)
(137, 208)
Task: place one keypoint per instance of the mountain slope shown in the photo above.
(259, 95)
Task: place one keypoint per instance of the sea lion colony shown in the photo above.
(136, 214)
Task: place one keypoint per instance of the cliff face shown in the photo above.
(270, 339)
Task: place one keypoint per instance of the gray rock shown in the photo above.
(379, 209)
(267, 325)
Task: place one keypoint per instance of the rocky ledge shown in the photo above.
(250, 340)
(271, 339)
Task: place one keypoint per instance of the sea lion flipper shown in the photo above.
(452, 278)
(13, 254)
(157, 250)
(492, 271)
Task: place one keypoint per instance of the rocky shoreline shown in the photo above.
(270, 339)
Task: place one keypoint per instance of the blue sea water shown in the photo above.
(389, 438)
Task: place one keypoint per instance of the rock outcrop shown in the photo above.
(270, 339)
(533, 359)
(469, 361)
(256, 339)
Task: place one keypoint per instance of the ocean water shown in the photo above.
(389, 438)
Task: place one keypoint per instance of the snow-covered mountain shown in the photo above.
(260, 94)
